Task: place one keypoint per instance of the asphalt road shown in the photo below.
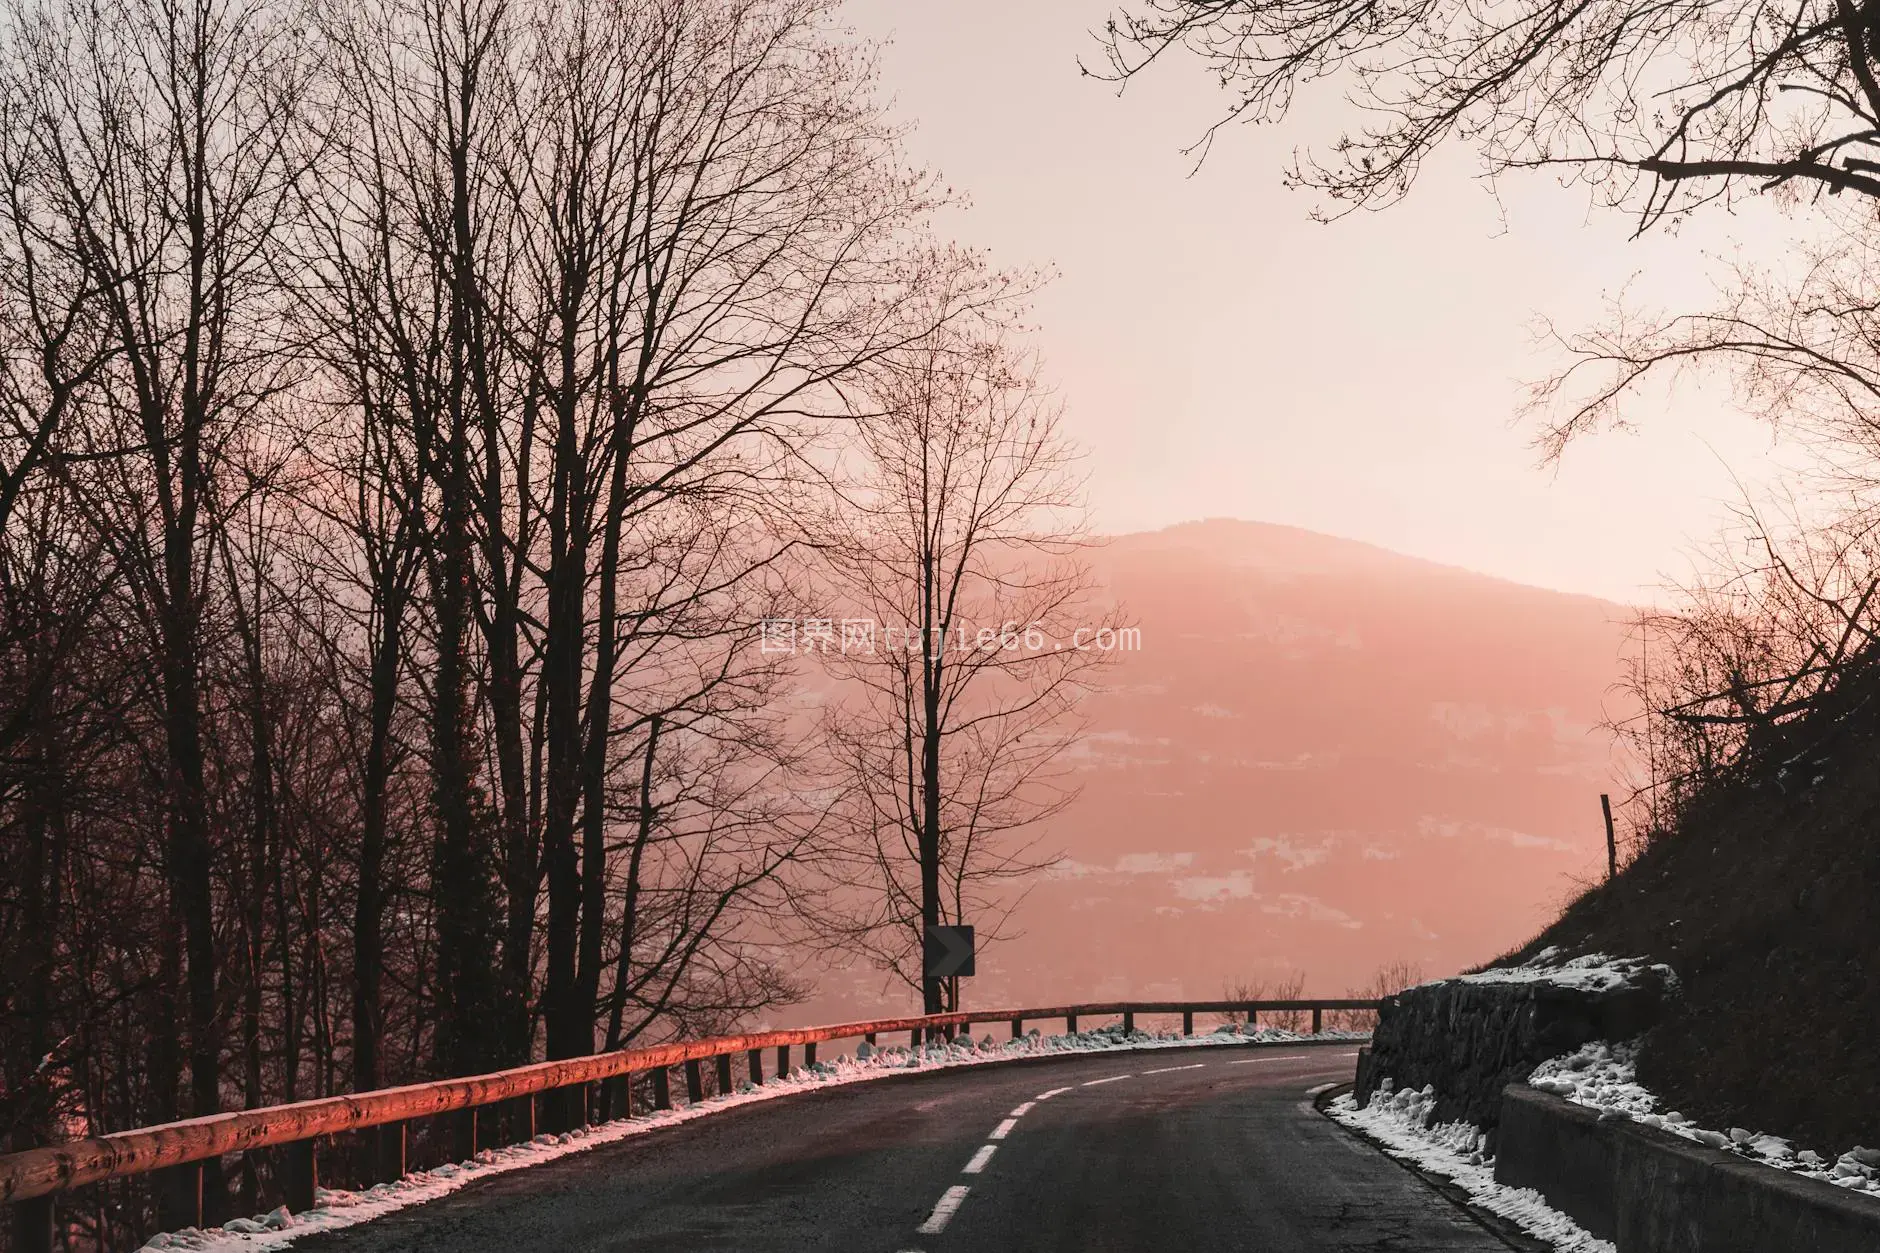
(1207, 1149)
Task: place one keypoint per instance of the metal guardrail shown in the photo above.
(584, 1087)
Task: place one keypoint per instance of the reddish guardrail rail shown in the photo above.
(30, 1179)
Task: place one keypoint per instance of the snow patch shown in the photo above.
(1605, 1077)
(1400, 1121)
(1594, 972)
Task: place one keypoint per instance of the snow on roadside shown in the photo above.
(1605, 1077)
(335, 1209)
(1594, 972)
(1399, 1119)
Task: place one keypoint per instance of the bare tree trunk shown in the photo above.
(369, 906)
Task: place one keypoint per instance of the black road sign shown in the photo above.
(948, 952)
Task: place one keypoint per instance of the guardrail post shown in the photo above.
(1129, 1022)
(389, 1153)
(32, 1225)
(179, 1196)
(300, 1175)
(1070, 1024)
(619, 1095)
(1253, 1016)
(662, 1089)
(870, 1037)
(1018, 1027)
(913, 1039)
(757, 1068)
(1188, 1022)
(1316, 1019)
(809, 1053)
(724, 1074)
(694, 1082)
(783, 1060)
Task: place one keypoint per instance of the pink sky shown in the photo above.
(1221, 354)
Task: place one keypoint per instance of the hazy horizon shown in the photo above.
(1105, 537)
(1322, 758)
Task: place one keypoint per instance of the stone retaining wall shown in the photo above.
(1470, 1040)
(1652, 1192)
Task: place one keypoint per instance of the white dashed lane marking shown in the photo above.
(955, 1196)
(944, 1211)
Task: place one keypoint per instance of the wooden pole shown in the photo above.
(179, 1196)
(300, 1176)
(32, 1225)
(393, 1146)
(1612, 845)
(614, 1094)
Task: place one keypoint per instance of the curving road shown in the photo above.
(1210, 1149)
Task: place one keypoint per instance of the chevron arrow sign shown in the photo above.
(948, 952)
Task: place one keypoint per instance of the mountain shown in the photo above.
(1322, 757)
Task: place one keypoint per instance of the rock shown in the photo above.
(1470, 1040)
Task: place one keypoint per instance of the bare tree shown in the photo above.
(1662, 109)
(1287, 987)
(401, 410)
(957, 544)
(1387, 980)
(164, 140)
